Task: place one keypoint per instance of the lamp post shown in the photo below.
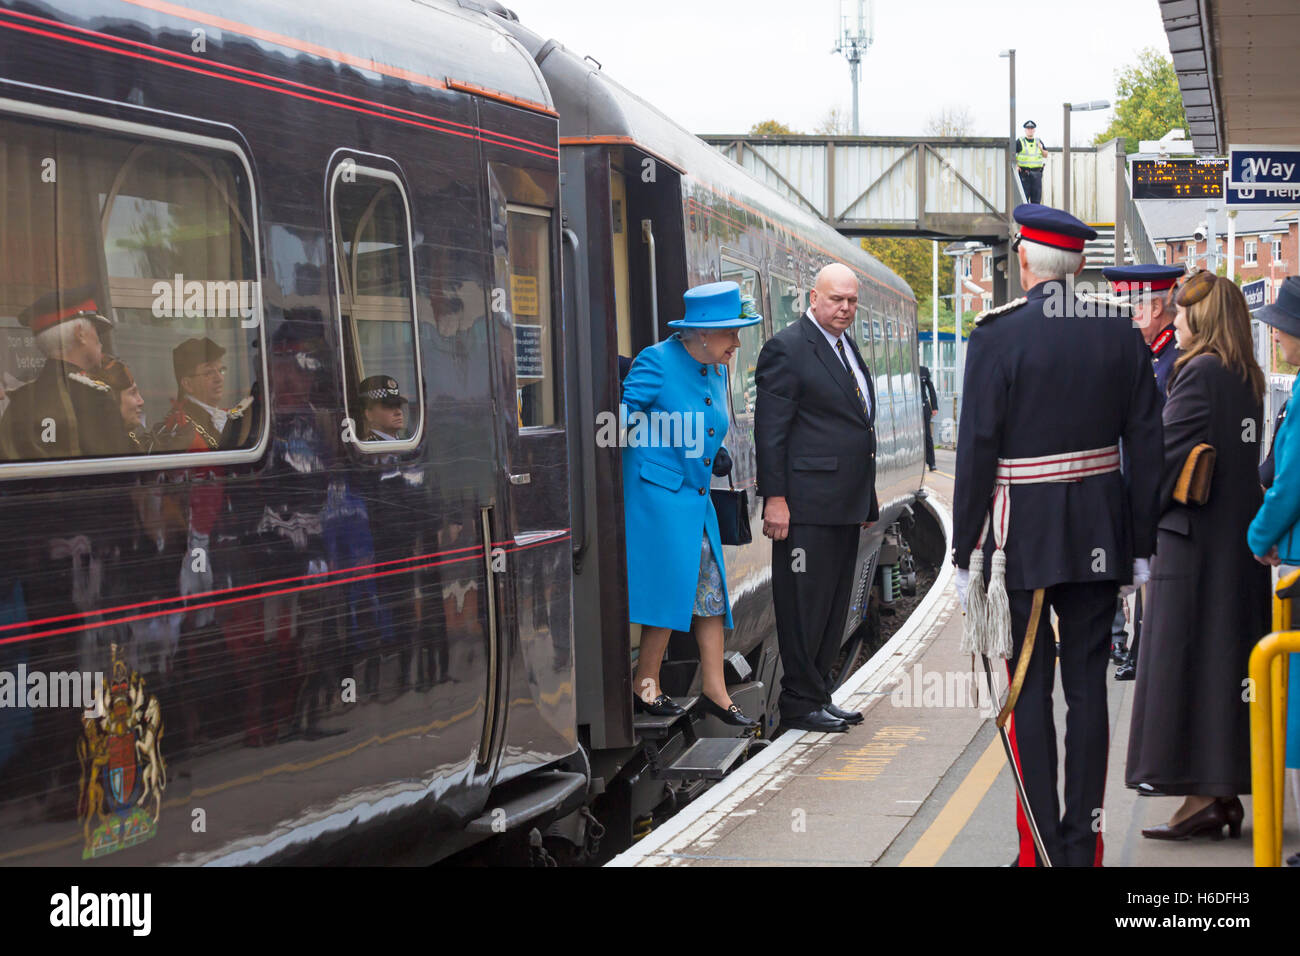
(1013, 264)
(1065, 145)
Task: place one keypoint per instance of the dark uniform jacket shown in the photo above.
(816, 446)
(1164, 353)
(84, 414)
(929, 398)
(1039, 384)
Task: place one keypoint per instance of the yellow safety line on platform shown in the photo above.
(957, 811)
(944, 473)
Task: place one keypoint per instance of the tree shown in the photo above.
(770, 127)
(835, 123)
(1148, 103)
(912, 260)
(950, 121)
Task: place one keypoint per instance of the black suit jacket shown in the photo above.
(816, 446)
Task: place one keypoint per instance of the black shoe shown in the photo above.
(1235, 813)
(818, 721)
(1208, 821)
(661, 706)
(848, 716)
(733, 715)
(1126, 671)
(1118, 652)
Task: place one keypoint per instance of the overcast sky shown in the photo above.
(719, 66)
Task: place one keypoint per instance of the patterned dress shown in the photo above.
(710, 598)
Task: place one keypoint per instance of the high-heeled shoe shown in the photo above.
(1208, 821)
(733, 715)
(661, 706)
(1235, 813)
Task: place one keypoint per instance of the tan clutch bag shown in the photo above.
(1193, 487)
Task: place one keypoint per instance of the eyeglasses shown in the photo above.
(211, 373)
(1015, 243)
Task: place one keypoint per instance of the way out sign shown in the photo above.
(1263, 176)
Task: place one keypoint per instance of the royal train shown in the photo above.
(355, 591)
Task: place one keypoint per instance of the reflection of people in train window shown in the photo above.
(115, 374)
(383, 409)
(198, 420)
(64, 412)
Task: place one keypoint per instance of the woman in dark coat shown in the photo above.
(1208, 599)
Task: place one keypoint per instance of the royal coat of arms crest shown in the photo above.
(123, 774)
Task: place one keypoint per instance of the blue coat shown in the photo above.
(1281, 508)
(666, 504)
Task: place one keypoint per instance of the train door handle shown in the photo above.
(525, 478)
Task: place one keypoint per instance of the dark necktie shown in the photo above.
(844, 357)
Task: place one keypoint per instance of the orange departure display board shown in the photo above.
(1178, 178)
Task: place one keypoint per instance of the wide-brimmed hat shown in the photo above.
(1284, 314)
(717, 305)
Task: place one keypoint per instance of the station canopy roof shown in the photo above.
(1236, 68)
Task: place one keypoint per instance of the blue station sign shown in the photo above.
(1263, 166)
(1254, 293)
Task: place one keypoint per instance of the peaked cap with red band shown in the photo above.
(62, 306)
(1052, 227)
(1128, 280)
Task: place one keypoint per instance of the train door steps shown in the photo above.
(522, 800)
(650, 727)
(708, 758)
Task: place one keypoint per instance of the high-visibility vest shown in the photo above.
(1030, 153)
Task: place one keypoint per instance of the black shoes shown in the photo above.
(732, 715)
(848, 716)
(818, 721)
(661, 706)
(1208, 821)
(1128, 670)
(1235, 812)
(1118, 651)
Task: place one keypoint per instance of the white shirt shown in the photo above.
(854, 367)
(218, 415)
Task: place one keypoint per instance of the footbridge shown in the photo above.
(940, 187)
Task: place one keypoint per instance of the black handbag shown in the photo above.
(732, 506)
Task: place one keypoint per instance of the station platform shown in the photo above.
(923, 781)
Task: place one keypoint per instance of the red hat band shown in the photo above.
(1154, 285)
(40, 323)
(1057, 240)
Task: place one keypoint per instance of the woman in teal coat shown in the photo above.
(1275, 529)
(675, 418)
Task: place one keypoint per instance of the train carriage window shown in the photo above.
(374, 269)
(744, 391)
(787, 302)
(130, 311)
(529, 240)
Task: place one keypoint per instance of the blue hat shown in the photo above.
(1284, 314)
(1052, 227)
(717, 305)
(1143, 278)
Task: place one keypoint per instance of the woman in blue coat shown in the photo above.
(675, 415)
(1274, 527)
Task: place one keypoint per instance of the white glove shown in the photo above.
(963, 584)
(1141, 575)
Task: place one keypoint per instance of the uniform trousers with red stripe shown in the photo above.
(1084, 612)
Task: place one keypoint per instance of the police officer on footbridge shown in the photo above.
(1030, 159)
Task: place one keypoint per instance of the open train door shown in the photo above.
(626, 272)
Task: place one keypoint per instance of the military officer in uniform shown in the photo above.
(383, 409)
(1051, 390)
(1150, 290)
(1030, 159)
(199, 420)
(65, 412)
